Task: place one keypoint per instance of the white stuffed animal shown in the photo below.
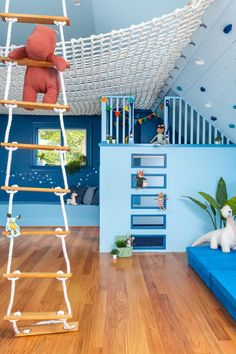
(72, 200)
(226, 237)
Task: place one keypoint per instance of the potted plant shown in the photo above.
(41, 157)
(74, 166)
(124, 246)
(109, 139)
(218, 140)
(113, 141)
(114, 253)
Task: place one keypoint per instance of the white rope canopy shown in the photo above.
(134, 61)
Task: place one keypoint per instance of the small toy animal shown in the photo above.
(12, 226)
(41, 45)
(226, 237)
(141, 180)
(72, 200)
(129, 240)
(160, 138)
(161, 201)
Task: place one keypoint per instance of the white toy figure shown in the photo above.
(72, 200)
(160, 138)
(12, 226)
(226, 237)
(129, 240)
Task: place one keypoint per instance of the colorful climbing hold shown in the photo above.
(202, 89)
(234, 106)
(232, 126)
(227, 29)
(179, 88)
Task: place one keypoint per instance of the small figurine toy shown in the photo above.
(72, 199)
(12, 226)
(141, 180)
(160, 138)
(161, 201)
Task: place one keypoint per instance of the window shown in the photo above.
(76, 140)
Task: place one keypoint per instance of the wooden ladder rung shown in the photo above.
(37, 275)
(25, 316)
(28, 62)
(32, 189)
(37, 19)
(35, 147)
(45, 329)
(35, 105)
(39, 233)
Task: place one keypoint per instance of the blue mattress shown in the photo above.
(218, 271)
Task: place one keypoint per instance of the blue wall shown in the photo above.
(25, 173)
(189, 169)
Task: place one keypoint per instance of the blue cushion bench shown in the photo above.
(218, 271)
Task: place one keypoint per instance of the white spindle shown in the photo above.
(186, 124)
(111, 117)
(204, 131)
(198, 129)
(191, 126)
(209, 134)
(117, 121)
(123, 121)
(173, 120)
(166, 111)
(104, 120)
(180, 120)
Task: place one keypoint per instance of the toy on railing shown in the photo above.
(160, 138)
(161, 201)
(141, 180)
(11, 225)
(40, 46)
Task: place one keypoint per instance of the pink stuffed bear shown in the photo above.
(40, 46)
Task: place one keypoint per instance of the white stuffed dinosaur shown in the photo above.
(72, 200)
(226, 237)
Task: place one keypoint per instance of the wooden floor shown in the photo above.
(150, 304)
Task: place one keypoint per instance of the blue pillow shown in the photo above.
(88, 195)
(96, 198)
(80, 191)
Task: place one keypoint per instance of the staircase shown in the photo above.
(186, 126)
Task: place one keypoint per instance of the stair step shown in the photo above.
(25, 316)
(35, 105)
(37, 19)
(38, 233)
(45, 329)
(35, 147)
(28, 62)
(32, 189)
(37, 275)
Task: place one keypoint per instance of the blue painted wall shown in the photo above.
(25, 173)
(189, 170)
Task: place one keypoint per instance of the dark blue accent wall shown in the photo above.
(24, 172)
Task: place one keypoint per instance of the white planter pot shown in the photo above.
(113, 141)
(42, 162)
(114, 256)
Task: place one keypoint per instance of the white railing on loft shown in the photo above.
(186, 126)
(118, 119)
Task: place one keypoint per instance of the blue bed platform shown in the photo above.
(218, 271)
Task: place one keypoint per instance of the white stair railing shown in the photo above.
(186, 126)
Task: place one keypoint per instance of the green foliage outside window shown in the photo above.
(76, 140)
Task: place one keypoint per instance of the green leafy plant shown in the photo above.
(213, 205)
(109, 138)
(74, 166)
(121, 243)
(41, 156)
(115, 251)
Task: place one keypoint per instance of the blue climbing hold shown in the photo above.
(213, 119)
(232, 126)
(234, 107)
(179, 88)
(227, 29)
(202, 89)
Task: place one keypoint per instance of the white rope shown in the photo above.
(9, 260)
(61, 25)
(64, 8)
(63, 281)
(14, 325)
(9, 33)
(9, 162)
(63, 243)
(63, 130)
(63, 162)
(9, 122)
(63, 88)
(7, 4)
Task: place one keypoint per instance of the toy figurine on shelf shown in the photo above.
(141, 180)
(12, 226)
(161, 201)
(129, 240)
(161, 138)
